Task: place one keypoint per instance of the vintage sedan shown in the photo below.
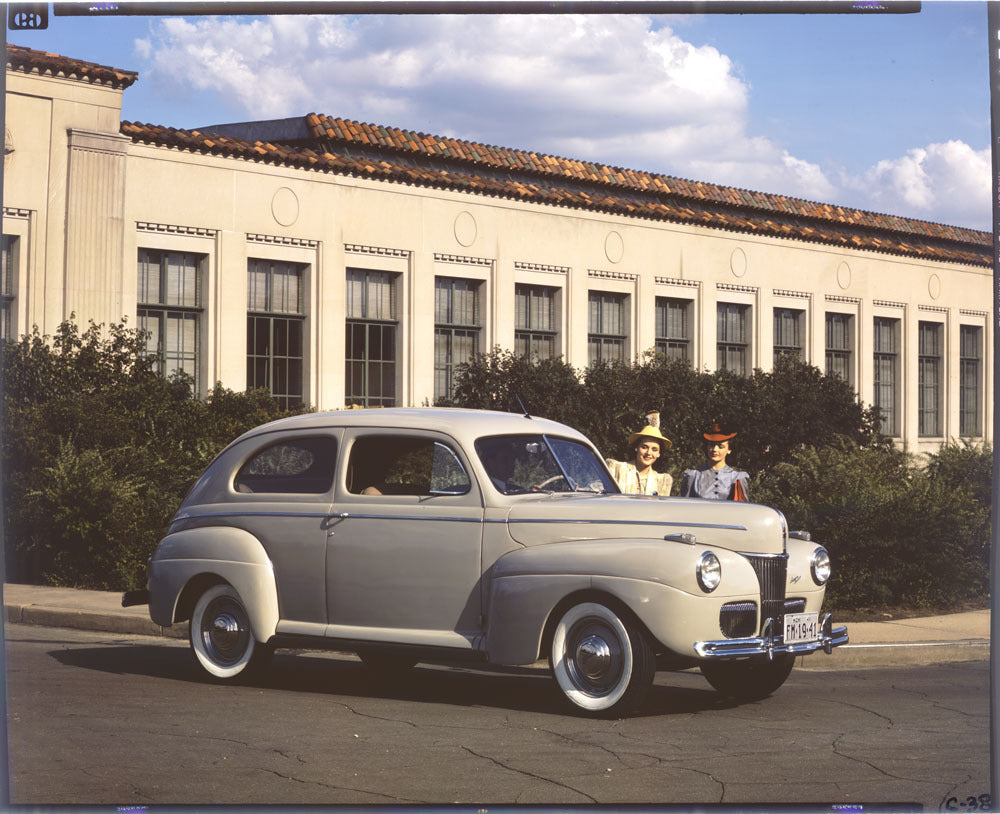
(410, 534)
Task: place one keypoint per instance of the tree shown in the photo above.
(99, 450)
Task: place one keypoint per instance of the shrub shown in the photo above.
(99, 450)
(898, 534)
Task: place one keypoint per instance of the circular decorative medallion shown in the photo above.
(738, 262)
(8, 146)
(843, 275)
(614, 247)
(285, 206)
(465, 228)
(934, 286)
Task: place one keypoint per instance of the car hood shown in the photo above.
(744, 527)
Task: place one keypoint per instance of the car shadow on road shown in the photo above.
(342, 675)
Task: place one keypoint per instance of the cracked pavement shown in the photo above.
(98, 718)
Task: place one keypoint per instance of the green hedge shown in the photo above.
(99, 450)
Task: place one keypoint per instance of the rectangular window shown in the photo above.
(169, 309)
(929, 371)
(607, 327)
(457, 328)
(789, 329)
(673, 328)
(886, 351)
(733, 338)
(371, 338)
(7, 276)
(535, 321)
(970, 380)
(276, 328)
(839, 345)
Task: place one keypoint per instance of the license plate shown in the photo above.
(801, 627)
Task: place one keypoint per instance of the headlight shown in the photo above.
(709, 572)
(820, 566)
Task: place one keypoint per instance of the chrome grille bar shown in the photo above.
(771, 571)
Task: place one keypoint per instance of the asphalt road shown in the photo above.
(99, 718)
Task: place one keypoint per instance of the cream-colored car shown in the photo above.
(409, 534)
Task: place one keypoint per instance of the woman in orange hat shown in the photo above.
(716, 480)
(637, 477)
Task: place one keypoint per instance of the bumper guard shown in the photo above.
(769, 643)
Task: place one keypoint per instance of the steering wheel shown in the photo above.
(554, 479)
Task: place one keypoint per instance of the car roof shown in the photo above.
(464, 425)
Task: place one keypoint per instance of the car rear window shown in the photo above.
(292, 466)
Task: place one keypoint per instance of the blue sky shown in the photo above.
(888, 113)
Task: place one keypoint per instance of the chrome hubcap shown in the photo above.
(594, 657)
(225, 631)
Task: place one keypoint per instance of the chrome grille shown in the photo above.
(738, 619)
(771, 572)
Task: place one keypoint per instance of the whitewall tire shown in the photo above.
(603, 664)
(221, 636)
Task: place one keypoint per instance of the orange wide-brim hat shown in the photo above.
(653, 434)
(715, 433)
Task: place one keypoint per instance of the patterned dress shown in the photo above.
(713, 484)
(628, 480)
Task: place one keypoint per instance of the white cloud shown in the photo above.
(948, 182)
(607, 88)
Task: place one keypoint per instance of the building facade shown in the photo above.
(341, 263)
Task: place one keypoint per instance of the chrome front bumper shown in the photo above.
(768, 643)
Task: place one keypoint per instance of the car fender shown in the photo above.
(655, 580)
(213, 554)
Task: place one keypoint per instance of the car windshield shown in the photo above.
(539, 463)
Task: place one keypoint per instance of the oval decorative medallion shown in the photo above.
(934, 286)
(8, 146)
(738, 262)
(614, 247)
(843, 275)
(465, 228)
(285, 207)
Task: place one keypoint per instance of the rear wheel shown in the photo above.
(222, 638)
(748, 680)
(602, 662)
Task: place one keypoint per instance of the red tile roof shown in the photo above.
(27, 60)
(398, 156)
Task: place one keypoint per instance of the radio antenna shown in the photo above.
(523, 408)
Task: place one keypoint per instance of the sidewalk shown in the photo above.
(894, 643)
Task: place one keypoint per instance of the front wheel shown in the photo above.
(748, 680)
(221, 636)
(603, 664)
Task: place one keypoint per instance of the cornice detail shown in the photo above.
(16, 212)
(277, 240)
(612, 275)
(677, 281)
(888, 304)
(970, 313)
(169, 228)
(936, 308)
(744, 289)
(801, 295)
(459, 259)
(520, 266)
(841, 298)
(378, 251)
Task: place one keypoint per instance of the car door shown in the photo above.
(404, 548)
(281, 493)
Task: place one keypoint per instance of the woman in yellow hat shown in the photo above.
(637, 477)
(716, 480)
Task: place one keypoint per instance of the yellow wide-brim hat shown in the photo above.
(653, 433)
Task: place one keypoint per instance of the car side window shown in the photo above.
(292, 466)
(401, 465)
